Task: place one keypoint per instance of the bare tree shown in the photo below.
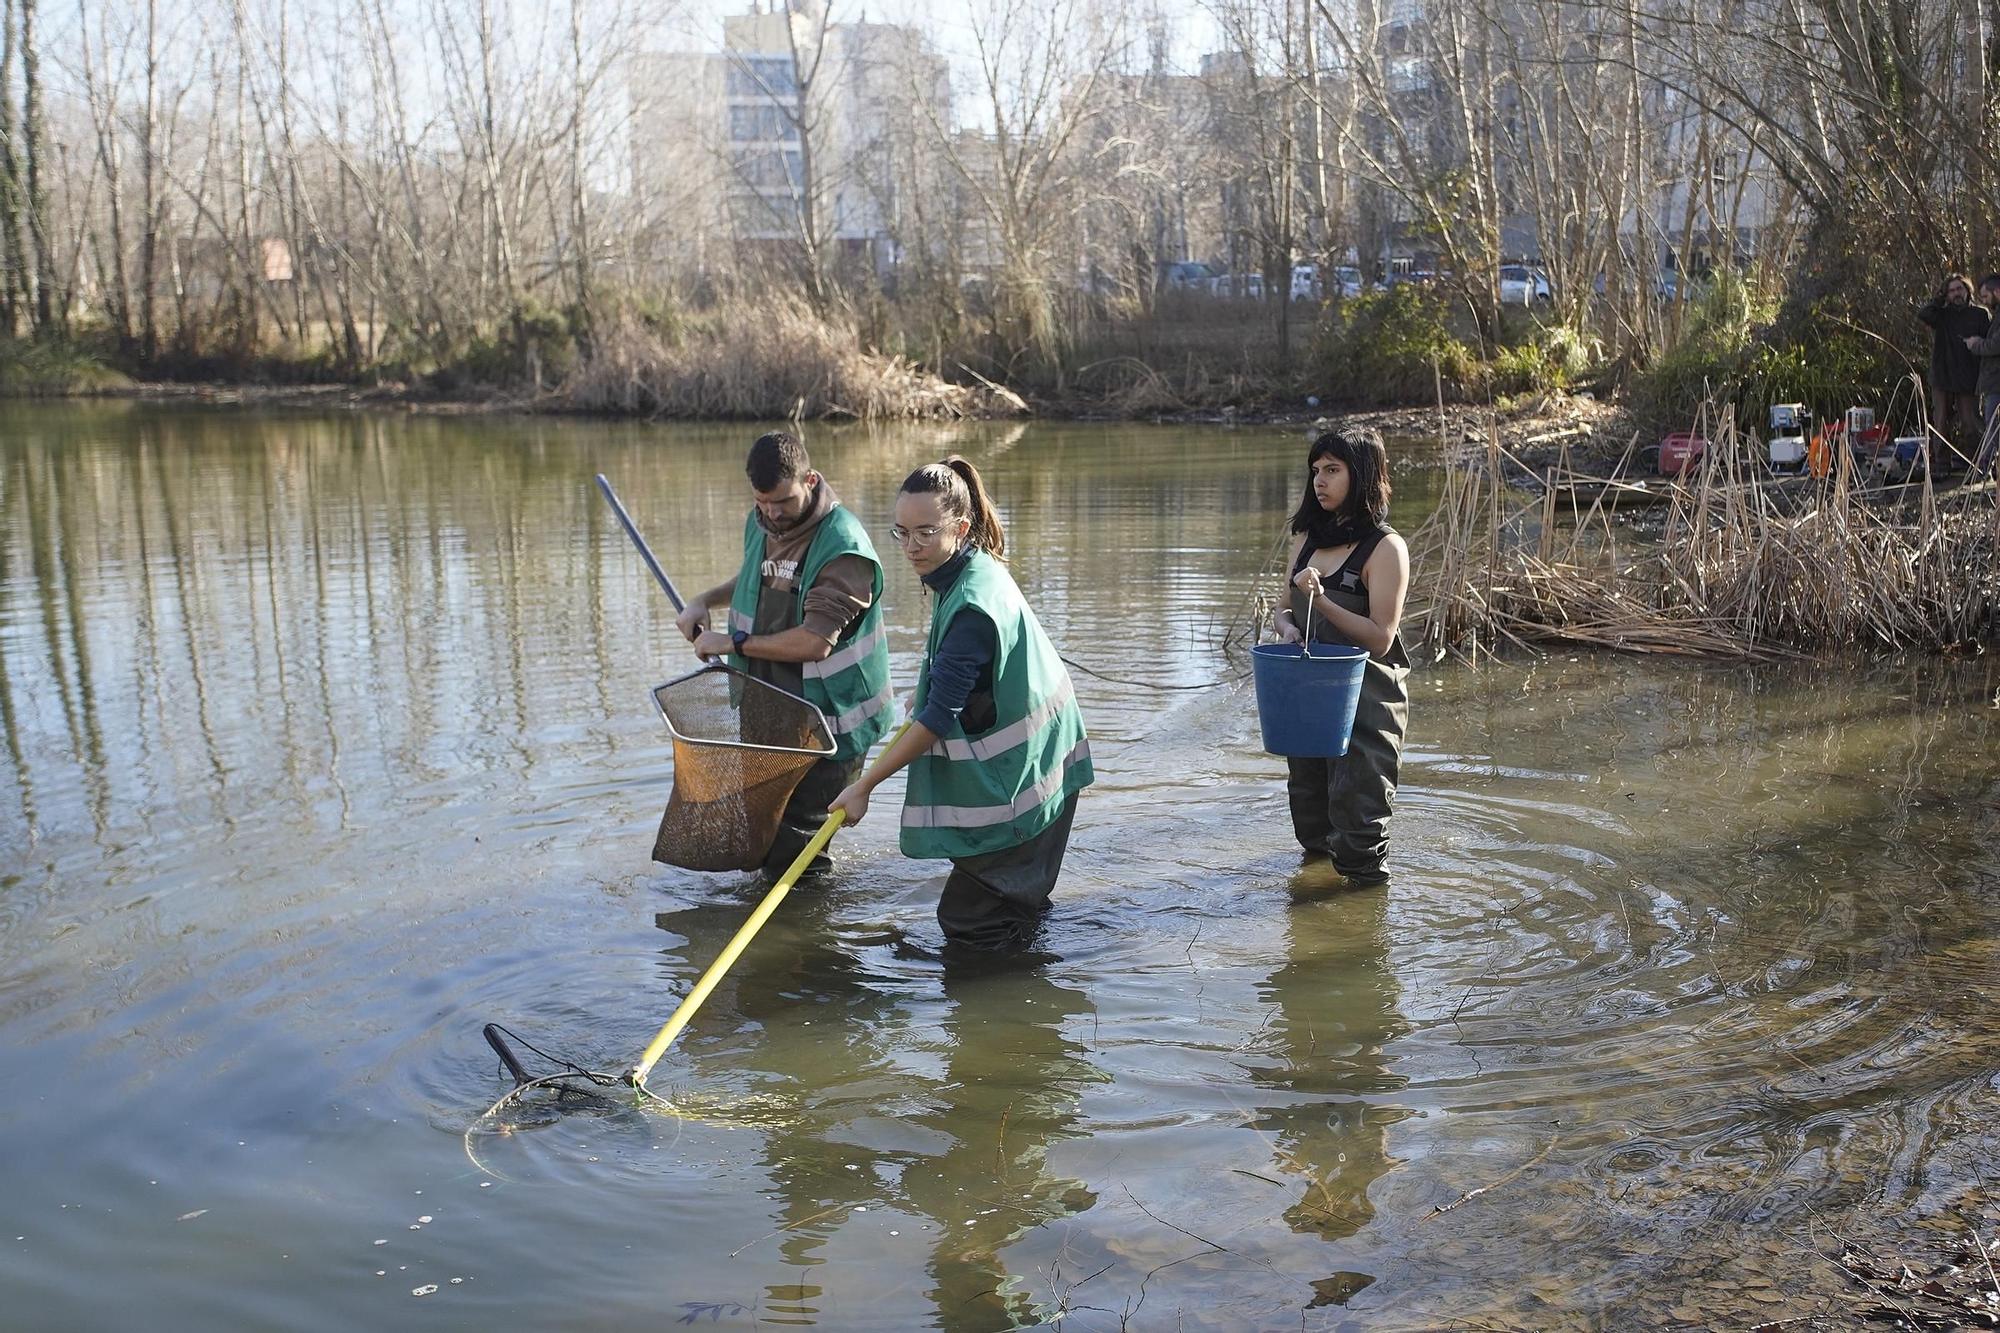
(16, 268)
(1041, 70)
(34, 151)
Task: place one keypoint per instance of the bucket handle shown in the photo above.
(1308, 646)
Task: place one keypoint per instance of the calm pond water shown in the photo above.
(327, 741)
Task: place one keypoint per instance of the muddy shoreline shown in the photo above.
(1535, 433)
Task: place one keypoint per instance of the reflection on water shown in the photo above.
(1332, 1010)
(327, 740)
(919, 1094)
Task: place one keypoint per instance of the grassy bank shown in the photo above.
(779, 361)
(46, 368)
(775, 356)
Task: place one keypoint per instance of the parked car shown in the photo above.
(1348, 282)
(1188, 275)
(1521, 285)
(1240, 286)
(1667, 286)
(1305, 282)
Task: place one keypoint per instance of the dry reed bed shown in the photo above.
(777, 359)
(1741, 566)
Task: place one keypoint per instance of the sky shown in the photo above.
(950, 25)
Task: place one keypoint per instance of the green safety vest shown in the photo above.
(851, 684)
(973, 794)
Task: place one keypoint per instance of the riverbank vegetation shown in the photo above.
(1739, 563)
(38, 368)
(431, 198)
(777, 359)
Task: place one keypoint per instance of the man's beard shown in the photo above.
(787, 522)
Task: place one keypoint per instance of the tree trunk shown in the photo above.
(35, 146)
(14, 262)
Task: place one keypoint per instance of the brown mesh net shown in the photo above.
(740, 747)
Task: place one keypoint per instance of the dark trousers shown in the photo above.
(806, 811)
(996, 899)
(1342, 806)
(1956, 417)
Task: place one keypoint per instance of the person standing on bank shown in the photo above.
(1350, 574)
(1954, 369)
(996, 747)
(1987, 349)
(805, 615)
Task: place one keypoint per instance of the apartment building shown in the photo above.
(799, 131)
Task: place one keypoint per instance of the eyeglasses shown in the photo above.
(926, 535)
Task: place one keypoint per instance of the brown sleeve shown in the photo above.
(845, 587)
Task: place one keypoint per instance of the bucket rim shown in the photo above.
(1320, 652)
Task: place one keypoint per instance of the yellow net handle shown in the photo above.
(740, 941)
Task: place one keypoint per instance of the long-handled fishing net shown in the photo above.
(741, 746)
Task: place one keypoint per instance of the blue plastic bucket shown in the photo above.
(1305, 705)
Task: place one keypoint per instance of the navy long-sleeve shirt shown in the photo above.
(963, 663)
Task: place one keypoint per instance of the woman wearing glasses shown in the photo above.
(1350, 574)
(996, 749)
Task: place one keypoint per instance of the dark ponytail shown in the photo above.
(961, 494)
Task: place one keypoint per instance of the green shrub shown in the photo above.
(1837, 369)
(532, 344)
(1822, 361)
(47, 368)
(1551, 359)
(1393, 347)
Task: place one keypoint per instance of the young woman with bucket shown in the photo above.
(1350, 574)
(996, 748)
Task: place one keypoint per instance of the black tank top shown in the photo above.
(1346, 589)
(1344, 585)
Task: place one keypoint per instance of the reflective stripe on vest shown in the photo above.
(850, 686)
(1016, 733)
(851, 655)
(985, 816)
(860, 713)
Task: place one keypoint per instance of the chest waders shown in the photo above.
(850, 685)
(1342, 806)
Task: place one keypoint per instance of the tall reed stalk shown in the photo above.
(1743, 564)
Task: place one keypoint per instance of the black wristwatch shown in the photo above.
(737, 638)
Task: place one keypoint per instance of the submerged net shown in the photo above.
(740, 747)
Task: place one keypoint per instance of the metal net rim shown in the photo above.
(680, 736)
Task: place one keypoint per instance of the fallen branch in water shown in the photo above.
(1511, 1176)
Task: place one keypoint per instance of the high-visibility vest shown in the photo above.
(851, 684)
(973, 794)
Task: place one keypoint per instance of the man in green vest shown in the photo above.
(805, 615)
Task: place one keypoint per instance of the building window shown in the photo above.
(772, 169)
(762, 76)
(751, 124)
